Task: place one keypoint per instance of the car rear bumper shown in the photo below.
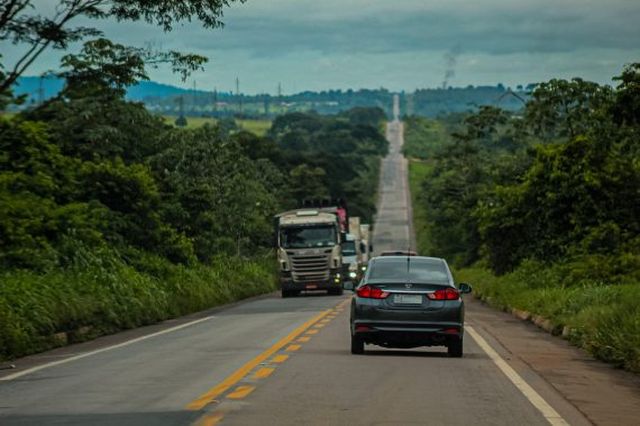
(398, 334)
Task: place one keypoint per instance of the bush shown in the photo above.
(603, 315)
(102, 291)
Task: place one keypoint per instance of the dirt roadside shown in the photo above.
(603, 394)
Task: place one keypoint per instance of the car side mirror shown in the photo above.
(465, 288)
(348, 285)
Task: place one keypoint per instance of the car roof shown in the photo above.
(412, 258)
(398, 253)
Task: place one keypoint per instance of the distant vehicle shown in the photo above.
(355, 250)
(351, 258)
(408, 302)
(399, 253)
(308, 250)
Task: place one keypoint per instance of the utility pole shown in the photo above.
(238, 95)
(195, 100)
(41, 90)
(280, 96)
(267, 99)
(215, 101)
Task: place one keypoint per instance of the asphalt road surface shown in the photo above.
(273, 361)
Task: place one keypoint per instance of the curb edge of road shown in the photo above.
(545, 324)
(10, 367)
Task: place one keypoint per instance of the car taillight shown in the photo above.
(369, 292)
(444, 294)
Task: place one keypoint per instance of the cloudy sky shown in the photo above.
(397, 44)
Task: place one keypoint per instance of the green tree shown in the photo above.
(25, 22)
(565, 109)
(308, 183)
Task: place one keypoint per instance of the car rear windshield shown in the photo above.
(403, 269)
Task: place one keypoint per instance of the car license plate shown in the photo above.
(408, 299)
(311, 286)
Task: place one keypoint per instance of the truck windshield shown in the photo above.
(349, 248)
(308, 236)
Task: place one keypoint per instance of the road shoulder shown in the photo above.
(603, 394)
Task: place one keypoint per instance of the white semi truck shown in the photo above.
(309, 249)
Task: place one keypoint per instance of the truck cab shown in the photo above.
(309, 251)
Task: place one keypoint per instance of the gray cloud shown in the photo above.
(400, 44)
(561, 28)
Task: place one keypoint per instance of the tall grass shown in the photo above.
(102, 294)
(418, 170)
(604, 318)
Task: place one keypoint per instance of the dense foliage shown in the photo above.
(336, 157)
(112, 218)
(558, 181)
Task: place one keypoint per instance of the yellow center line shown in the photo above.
(279, 359)
(311, 332)
(241, 392)
(211, 419)
(263, 373)
(318, 326)
(239, 374)
(293, 348)
(303, 339)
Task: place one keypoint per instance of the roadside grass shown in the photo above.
(423, 137)
(418, 170)
(257, 127)
(103, 294)
(603, 318)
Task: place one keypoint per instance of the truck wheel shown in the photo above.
(454, 349)
(335, 291)
(285, 294)
(357, 345)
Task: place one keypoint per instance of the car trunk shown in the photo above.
(410, 296)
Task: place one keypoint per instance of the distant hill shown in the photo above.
(425, 102)
(51, 86)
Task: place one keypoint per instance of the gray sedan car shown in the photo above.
(408, 302)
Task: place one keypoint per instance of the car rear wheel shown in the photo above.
(454, 349)
(357, 345)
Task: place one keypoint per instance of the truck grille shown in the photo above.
(310, 268)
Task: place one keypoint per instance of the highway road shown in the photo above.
(273, 361)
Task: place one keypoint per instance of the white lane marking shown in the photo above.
(547, 411)
(97, 351)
